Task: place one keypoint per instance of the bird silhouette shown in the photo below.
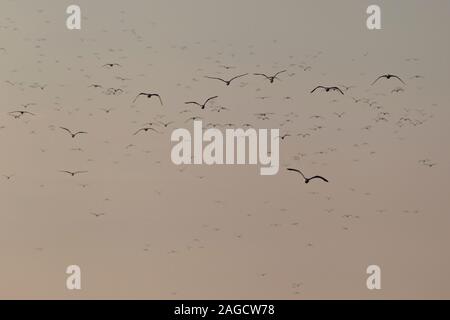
(270, 78)
(146, 129)
(111, 65)
(97, 215)
(388, 76)
(73, 135)
(148, 95)
(327, 89)
(73, 173)
(165, 124)
(227, 82)
(18, 114)
(203, 106)
(305, 178)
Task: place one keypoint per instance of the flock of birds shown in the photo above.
(411, 117)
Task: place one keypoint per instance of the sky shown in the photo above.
(224, 232)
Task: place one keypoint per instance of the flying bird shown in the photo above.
(95, 86)
(148, 95)
(327, 89)
(270, 78)
(388, 76)
(97, 215)
(166, 124)
(203, 106)
(307, 179)
(111, 65)
(227, 82)
(73, 173)
(73, 134)
(18, 114)
(146, 129)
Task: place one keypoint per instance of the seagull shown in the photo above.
(270, 78)
(388, 76)
(327, 89)
(201, 105)
(107, 110)
(26, 105)
(339, 114)
(73, 134)
(166, 124)
(193, 119)
(97, 215)
(146, 129)
(73, 173)
(111, 65)
(148, 95)
(284, 136)
(95, 86)
(37, 85)
(225, 81)
(307, 179)
(20, 113)
(113, 91)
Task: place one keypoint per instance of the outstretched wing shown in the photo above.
(214, 78)
(66, 130)
(261, 74)
(159, 97)
(140, 94)
(242, 75)
(193, 102)
(298, 171)
(210, 99)
(80, 132)
(383, 76)
(318, 87)
(138, 131)
(279, 73)
(337, 89)
(319, 177)
(394, 76)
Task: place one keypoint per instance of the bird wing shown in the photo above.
(394, 76)
(383, 76)
(242, 75)
(319, 177)
(66, 130)
(140, 94)
(64, 171)
(279, 73)
(77, 172)
(336, 88)
(193, 102)
(261, 74)
(210, 99)
(214, 78)
(318, 87)
(142, 129)
(298, 171)
(80, 132)
(159, 97)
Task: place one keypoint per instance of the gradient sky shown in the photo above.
(225, 231)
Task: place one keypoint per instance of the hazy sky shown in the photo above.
(225, 231)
